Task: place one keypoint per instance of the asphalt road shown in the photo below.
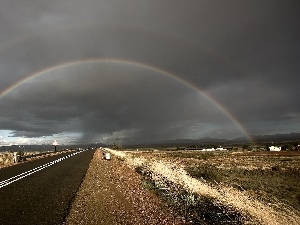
(43, 197)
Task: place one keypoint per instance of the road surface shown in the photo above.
(41, 191)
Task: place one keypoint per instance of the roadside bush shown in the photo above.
(276, 168)
(148, 184)
(117, 146)
(207, 172)
(20, 153)
(194, 208)
(143, 171)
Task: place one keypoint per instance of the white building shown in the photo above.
(208, 149)
(275, 149)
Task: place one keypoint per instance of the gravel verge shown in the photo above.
(112, 193)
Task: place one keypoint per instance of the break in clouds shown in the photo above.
(243, 55)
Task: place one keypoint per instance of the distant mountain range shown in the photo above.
(292, 137)
(277, 137)
(209, 140)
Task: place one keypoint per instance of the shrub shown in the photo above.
(276, 168)
(207, 172)
(148, 184)
(117, 146)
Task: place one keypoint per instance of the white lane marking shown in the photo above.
(34, 170)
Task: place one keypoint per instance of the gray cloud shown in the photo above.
(243, 54)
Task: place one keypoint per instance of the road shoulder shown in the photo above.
(111, 193)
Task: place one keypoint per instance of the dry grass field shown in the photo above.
(223, 187)
(271, 176)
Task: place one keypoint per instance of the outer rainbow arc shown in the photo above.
(141, 65)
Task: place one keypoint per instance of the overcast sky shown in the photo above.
(131, 71)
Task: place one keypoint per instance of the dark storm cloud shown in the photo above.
(244, 54)
(107, 100)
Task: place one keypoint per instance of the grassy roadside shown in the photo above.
(212, 170)
(270, 178)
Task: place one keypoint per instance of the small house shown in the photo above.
(275, 149)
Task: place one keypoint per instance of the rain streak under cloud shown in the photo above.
(142, 71)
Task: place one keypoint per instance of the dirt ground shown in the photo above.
(112, 193)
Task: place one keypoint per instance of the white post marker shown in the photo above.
(55, 143)
(15, 157)
(107, 156)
